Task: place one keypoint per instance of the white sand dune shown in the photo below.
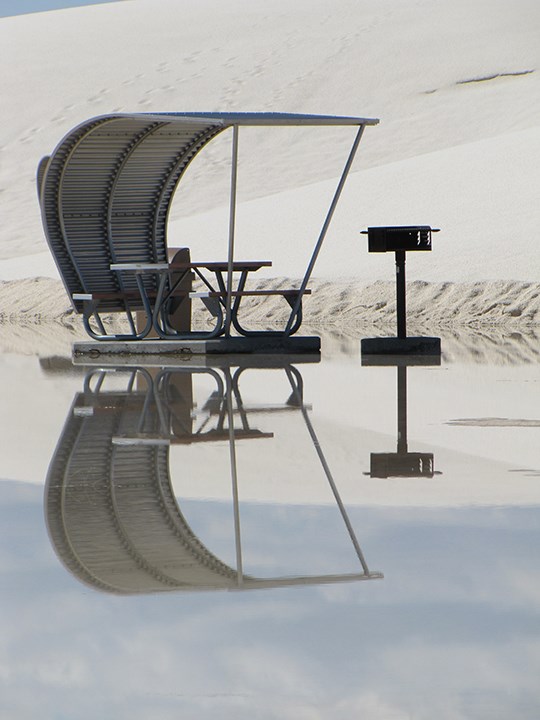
(456, 86)
(487, 221)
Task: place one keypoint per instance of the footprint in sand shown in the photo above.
(98, 97)
(30, 136)
(193, 57)
(130, 81)
(257, 70)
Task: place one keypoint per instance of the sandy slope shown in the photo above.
(488, 222)
(456, 85)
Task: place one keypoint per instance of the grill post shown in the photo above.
(401, 300)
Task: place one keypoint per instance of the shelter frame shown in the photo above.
(106, 190)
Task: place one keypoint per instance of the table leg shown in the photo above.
(159, 318)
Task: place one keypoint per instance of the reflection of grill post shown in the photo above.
(180, 316)
(402, 444)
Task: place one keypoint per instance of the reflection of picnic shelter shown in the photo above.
(105, 194)
(111, 510)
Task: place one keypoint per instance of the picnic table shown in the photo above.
(223, 303)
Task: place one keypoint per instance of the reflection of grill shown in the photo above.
(384, 465)
(111, 512)
(402, 463)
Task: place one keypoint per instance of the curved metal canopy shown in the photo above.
(106, 190)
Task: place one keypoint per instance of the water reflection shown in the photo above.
(402, 463)
(111, 510)
(453, 631)
(480, 345)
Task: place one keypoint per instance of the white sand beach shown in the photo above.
(435, 469)
(455, 85)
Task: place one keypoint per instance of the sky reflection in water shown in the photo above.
(451, 631)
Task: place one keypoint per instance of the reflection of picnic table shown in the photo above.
(169, 418)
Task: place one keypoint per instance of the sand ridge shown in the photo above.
(36, 312)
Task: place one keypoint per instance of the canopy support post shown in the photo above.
(325, 227)
(232, 223)
(315, 440)
(234, 479)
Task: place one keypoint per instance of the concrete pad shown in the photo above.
(400, 360)
(262, 344)
(192, 362)
(401, 346)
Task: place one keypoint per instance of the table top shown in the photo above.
(215, 266)
(221, 266)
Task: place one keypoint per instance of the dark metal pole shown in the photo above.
(402, 444)
(400, 294)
